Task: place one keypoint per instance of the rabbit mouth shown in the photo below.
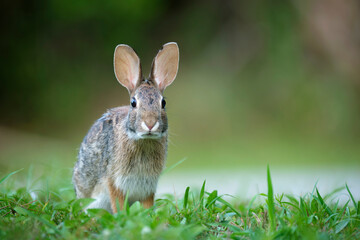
(132, 134)
(150, 135)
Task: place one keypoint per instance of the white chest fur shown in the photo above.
(142, 180)
(138, 187)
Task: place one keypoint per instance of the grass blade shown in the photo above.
(270, 201)
(323, 204)
(351, 196)
(219, 199)
(10, 174)
(249, 206)
(315, 187)
(291, 204)
(126, 203)
(186, 197)
(211, 199)
(292, 199)
(173, 166)
(341, 225)
(304, 208)
(344, 208)
(332, 193)
(202, 195)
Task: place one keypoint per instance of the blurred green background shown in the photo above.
(259, 81)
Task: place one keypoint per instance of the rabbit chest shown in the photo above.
(138, 167)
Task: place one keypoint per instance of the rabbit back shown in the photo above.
(96, 151)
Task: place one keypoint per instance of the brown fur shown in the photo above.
(115, 195)
(124, 152)
(147, 203)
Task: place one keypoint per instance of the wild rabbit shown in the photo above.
(125, 150)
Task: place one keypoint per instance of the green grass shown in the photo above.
(44, 209)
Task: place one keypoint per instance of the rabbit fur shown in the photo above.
(124, 151)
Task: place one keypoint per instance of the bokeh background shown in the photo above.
(259, 82)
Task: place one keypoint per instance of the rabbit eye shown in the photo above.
(133, 102)
(163, 103)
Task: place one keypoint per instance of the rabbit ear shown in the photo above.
(127, 66)
(165, 65)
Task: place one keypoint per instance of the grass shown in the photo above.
(44, 209)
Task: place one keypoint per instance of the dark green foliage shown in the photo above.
(50, 213)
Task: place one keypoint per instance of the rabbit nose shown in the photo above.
(150, 122)
(150, 125)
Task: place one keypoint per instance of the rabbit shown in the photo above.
(125, 150)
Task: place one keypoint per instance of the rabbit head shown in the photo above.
(147, 116)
